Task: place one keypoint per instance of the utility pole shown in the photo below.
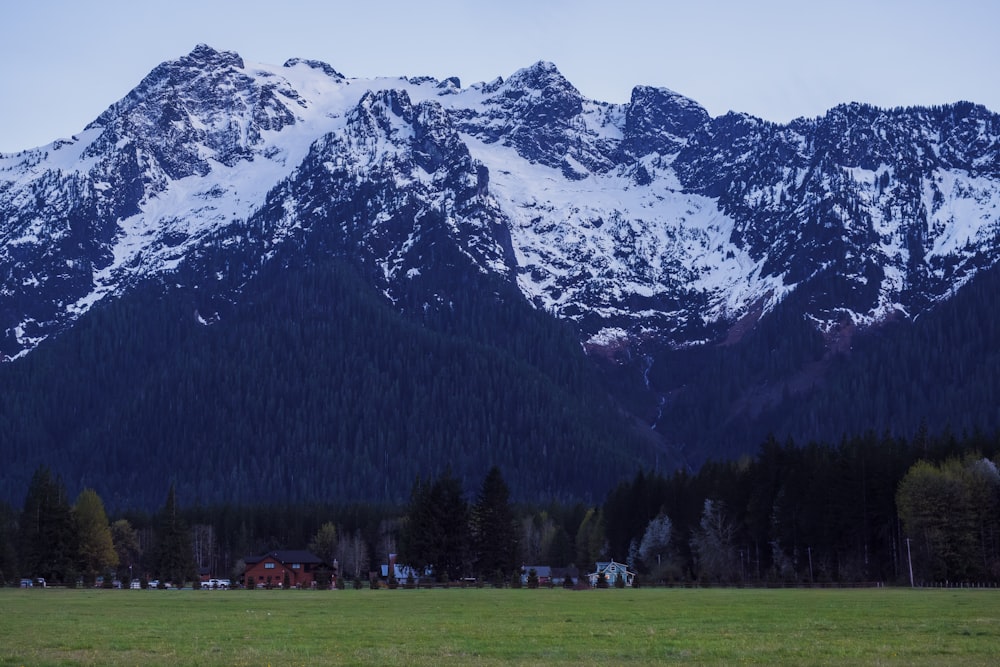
(909, 561)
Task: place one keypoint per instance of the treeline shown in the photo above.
(871, 508)
(54, 541)
(863, 510)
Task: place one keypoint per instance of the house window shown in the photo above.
(296, 566)
(268, 566)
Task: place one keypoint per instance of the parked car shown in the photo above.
(27, 583)
(153, 584)
(135, 585)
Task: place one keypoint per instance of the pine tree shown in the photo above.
(48, 538)
(436, 531)
(173, 559)
(494, 532)
(8, 555)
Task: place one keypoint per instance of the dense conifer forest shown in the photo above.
(939, 371)
(311, 389)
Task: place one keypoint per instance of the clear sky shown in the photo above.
(62, 62)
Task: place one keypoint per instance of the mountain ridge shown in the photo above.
(713, 210)
(650, 227)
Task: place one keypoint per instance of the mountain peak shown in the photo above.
(541, 76)
(659, 120)
(204, 55)
(317, 65)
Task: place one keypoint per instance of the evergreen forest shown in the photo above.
(311, 389)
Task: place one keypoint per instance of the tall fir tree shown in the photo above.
(173, 558)
(494, 531)
(48, 537)
(436, 531)
(8, 554)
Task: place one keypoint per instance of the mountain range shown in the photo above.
(639, 284)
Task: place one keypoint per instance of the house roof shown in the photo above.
(283, 557)
(611, 565)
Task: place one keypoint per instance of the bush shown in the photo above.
(532, 578)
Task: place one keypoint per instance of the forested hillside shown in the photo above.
(311, 390)
(787, 378)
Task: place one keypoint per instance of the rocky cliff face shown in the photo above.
(636, 221)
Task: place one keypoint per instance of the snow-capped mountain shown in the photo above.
(641, 220)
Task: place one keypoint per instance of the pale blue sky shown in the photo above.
(63, 62)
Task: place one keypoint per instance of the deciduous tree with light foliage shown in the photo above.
(97, 552)
(324, 543)
(655, 542)
(126, 542)
(949, 511)
(713, 545)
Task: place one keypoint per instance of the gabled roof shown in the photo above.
(610, 565)
(284, 557)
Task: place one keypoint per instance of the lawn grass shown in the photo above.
(488, 627)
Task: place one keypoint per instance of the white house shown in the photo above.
(613, 571)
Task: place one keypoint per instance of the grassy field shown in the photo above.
(487, 627)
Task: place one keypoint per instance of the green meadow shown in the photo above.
(489, 627)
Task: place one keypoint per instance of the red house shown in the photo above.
(282, 569)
